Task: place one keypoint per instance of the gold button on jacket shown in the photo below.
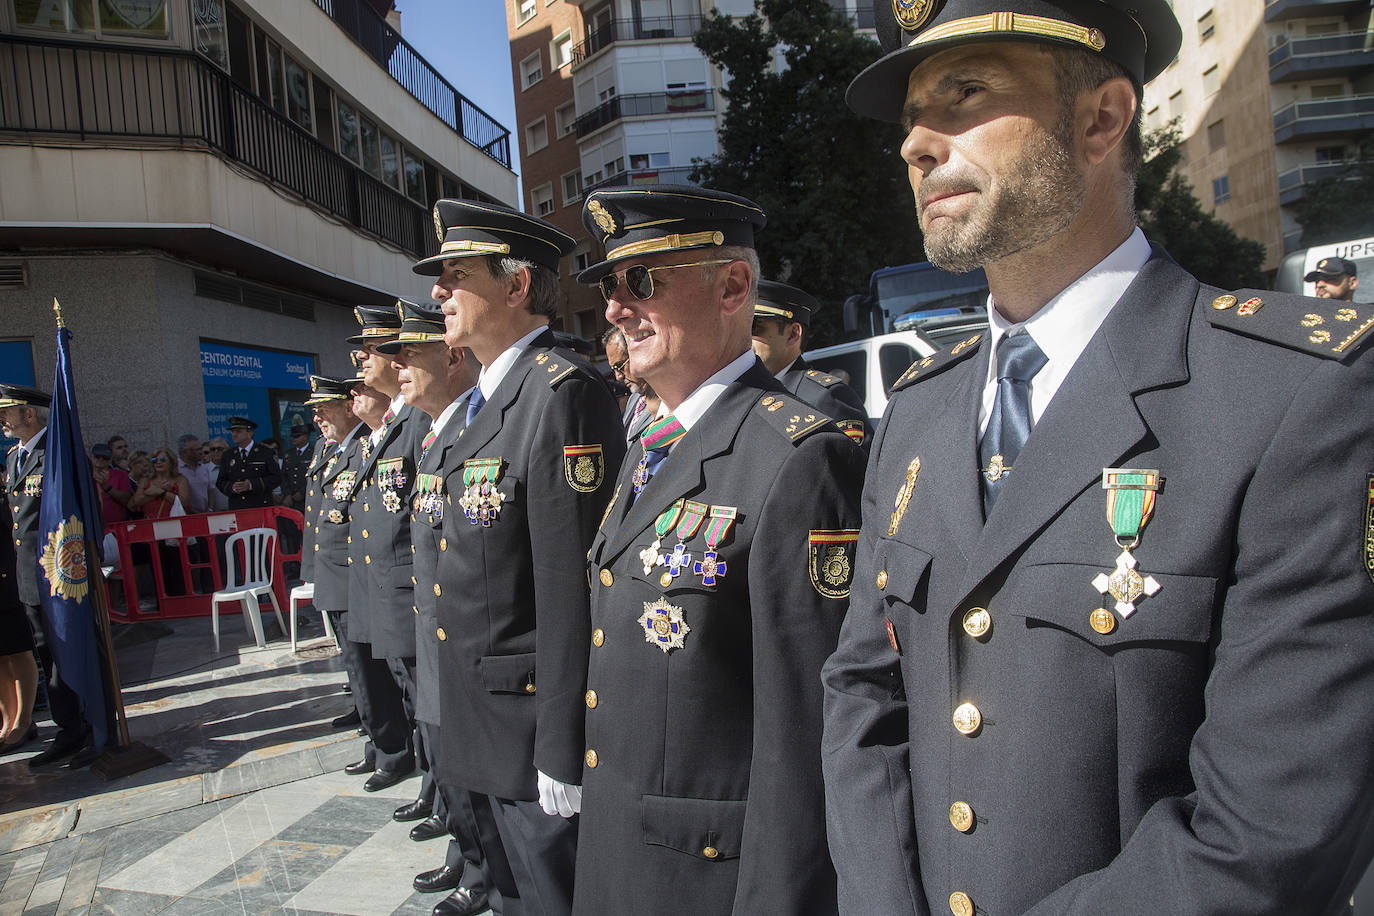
(882, 578)
(1102, 620)
(441, 634)
(591, 758)
(598, 637)
(606, 578)
(961, 816)
(960, 904)
(977, 621)
(591, 699)
(967, 718)
(710, 852)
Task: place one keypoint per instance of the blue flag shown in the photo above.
(69, 530)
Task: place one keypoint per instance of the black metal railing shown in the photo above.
(395, 55)
(641, 29)
(643, 103)
(175, 98)
(1324, 46)
(681, 174)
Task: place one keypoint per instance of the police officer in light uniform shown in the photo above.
(529, 480)
(1109, 644)
(248, 471)
(719, 578)
(782, 319)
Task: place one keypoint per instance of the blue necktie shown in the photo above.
(475, 404)
(1018, 360)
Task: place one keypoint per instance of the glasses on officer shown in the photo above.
(619, 368)
(639, 280)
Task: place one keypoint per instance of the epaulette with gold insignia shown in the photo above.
(557, 369)
(938, 362)
(821, 378)
(792, 418)
(1329, 328)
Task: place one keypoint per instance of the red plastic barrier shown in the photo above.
(191, 545)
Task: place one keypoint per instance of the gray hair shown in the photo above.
(750, 257)
(544, 291)
(185, 439)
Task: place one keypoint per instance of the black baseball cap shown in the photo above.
(1331, 268)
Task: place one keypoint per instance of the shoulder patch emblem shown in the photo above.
(584, 467)
(853, 429)
(830, 561)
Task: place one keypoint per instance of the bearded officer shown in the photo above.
(719, 579)
(531, 476)
(435, 379)
(1111, 624)
(782, 319)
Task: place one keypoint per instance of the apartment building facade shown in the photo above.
(1271, 97)
(210, 187)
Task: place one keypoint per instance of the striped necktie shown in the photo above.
(657, 440)
(388, 417)
(428, 441)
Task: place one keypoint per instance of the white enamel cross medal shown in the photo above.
(650, 556)
(1125, 584)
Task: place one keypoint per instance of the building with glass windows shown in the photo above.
(209, 187)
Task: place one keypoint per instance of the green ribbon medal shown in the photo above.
(693, 514)
(1130, 503)
(650, 556)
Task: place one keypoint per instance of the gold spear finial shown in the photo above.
(57, 310)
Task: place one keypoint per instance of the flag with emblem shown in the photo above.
(69, 531)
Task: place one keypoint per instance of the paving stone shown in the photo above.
(110, 902)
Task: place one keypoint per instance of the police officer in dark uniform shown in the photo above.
(20, 419)
(295, 467)
(782, 319)
(248, 472)
(719, 579)
(435, 379)
(1109, 644)
(528, 480)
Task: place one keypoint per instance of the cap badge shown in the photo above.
(602, 217)
(438, 224)
(912, 14)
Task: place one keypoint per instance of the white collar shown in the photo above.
(490, 377)
(352, 435)
(397, 403)
(695, 405)
(438, 425)
(27, 447)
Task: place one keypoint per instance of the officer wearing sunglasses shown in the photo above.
(718, 581)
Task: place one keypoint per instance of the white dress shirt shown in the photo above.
(489, 379)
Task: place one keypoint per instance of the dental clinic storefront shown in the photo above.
(268, 386)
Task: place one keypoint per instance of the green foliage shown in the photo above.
(832, 183)
(1171, 215)
(1342, 206)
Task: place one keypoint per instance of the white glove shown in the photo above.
(559, 798)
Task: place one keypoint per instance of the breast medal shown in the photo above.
(481, 500)
(1130, 503)
(710, 566)
(663, 625)
(677, 562)
(391, 481)
(652, 555)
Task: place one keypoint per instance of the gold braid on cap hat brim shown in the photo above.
(1016, 23)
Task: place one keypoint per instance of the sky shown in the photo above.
(466, 41)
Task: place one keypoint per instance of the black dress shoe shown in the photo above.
(350, 719)
(83, 758)
(359, 767)
(347, 687)
(63, 745)
(462, 902)
(414, 811)
(438, 879)
(384, 779)
(431, 828)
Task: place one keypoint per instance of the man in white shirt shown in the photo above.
(198, 473)
(1101, 584)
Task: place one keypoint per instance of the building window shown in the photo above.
(525, 10)
(1329, 27)
(1152, 118)
(536, 136)
(541, 199)
(565, 117)
(1206, 26)
(372, 157)
(146, 19)
(560, 51)
(324, 110)
(590, 179)
(615, 166)
(1176, 105)
(298, 93)
(391, 161)
(270, 87)
(641, 161)
(531, 70)
(1327, 90)
(572, 187)
(581, 261)
(208, 27)
(1211, 80)
(605, 95)
(1330, 154)
(348, 131)
(1221, 189)
(1216, 135)
(415, 179)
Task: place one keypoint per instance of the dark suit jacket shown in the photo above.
(331, 529)
(259, 469)
(1212, 752)
(427, 536)
(319, 456)
(295, 470)
(385, 524)
(831, 397)
(706, 796)
(513, 608)
(23, 488)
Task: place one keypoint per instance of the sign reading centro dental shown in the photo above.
(258, 384)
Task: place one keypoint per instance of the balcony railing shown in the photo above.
(642, 29)
(165, 98)
(675, 175)
(394, 55)
(1293, 183)
(1277, 10)
(644, 103)
(1327, 55)
(1324, 118)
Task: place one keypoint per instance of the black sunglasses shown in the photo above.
(620, 366)
(639, 280)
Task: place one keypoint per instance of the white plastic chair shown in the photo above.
(259, 547)
(305, 594)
